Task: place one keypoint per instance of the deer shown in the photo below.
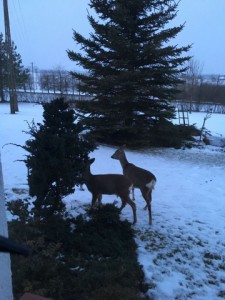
(109, 184)
(141, 178)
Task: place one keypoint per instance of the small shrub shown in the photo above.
(163, 135)
(95, 260)
(56, 155)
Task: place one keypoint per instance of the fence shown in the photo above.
(43, 97)
(201, 106)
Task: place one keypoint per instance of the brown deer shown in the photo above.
(109, 184)
(141, 178)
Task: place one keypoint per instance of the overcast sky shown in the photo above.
(43, 31)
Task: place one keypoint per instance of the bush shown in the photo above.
(97, 260)
(163, 135)
(57, 153)
(171, 135)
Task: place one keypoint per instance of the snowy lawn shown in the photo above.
(182, 253)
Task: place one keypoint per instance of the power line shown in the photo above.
(18, 27)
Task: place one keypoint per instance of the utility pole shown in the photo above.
(11, 72)
(33, 77)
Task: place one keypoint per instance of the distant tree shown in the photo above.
(132, 70)
(218, 90)
(21, 73)
(190, 89)
(57, 153)
(3, 67)
(57, 80)
(45, 83)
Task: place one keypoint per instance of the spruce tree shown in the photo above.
(3, 67)
(21, 73)
(57, 153)
(132, 70)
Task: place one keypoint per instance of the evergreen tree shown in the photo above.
(132, 70)
(3, 67)
(21, 73)
(57, 153)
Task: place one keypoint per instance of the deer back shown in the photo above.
(138, 176)
(109, 184)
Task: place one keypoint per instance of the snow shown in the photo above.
(215, 123)
(182, 253)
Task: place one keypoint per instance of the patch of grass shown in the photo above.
(200, 244)
(155, 240)
(212, 282)
(222, 266)
(221, 294)
(19, 191)
(173, 250)
(208, 262)
(214, 256)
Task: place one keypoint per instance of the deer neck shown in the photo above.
(123, 160)
(87, 174)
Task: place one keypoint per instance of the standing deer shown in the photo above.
(141, 178)
(109, 184)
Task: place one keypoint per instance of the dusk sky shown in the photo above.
(43, 31)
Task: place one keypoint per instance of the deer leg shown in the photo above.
(133, 206)
(133, 198)
(147, 195)
(99, 200)
(149, 206)
(126, 200)
(94, 198)
(150, 213)
(123, 204)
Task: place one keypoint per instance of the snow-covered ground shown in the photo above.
(182, 253)
(215, 123)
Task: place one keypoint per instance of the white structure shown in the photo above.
(5, 267)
